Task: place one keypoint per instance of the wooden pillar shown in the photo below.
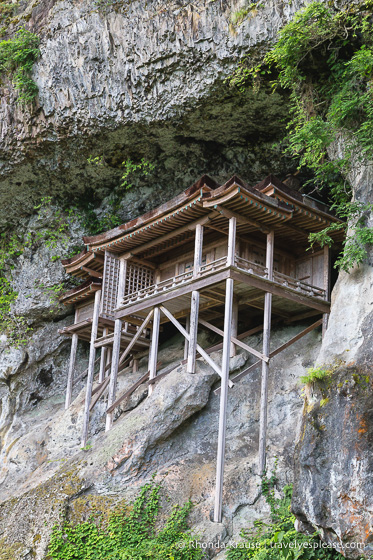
(135, 365)
(233, 350)
(223, 400)
(327, 263)
(108, 361)
(186, 343)
(194, 305)
(231, 241)
(101, 375)
(70, 377)
(153, 355)
(192, 346)
(198, 248)
(229, 286)
(91, 366)
(116, 345)
(266, 352)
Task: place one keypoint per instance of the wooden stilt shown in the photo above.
(193, 331)
(70, 377)
(223, 401)
(116, 345)
(154, 347)
(198, 247)
(108, 362)
(194, 306)
(326, 286)
(135, 365)
(266, 352)
(233, 351)
(91, 367)
(229, 286)
(114, 370)
(186, 343)
(101, 375)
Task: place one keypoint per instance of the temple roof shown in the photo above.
(269, 204)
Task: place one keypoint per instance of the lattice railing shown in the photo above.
(215, 266)
(110, 285)
(138, 277)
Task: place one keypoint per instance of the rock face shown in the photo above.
(147, 80)
(173, 433)
(143, 80)
(334, 458)
(334, 461)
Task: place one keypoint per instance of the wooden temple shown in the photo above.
(204, 258)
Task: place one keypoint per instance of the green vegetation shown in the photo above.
(324, 58)
(17, 56)
(277, 539)
(316, 374)
(132, 534)
(15, 327)
(7, 12)
(251, 10)
(94, 224)
(12, 247)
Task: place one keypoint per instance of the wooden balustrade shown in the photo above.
(217, 265)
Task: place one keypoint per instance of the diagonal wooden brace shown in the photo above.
(235, 341)
(297, 337)
(204, 355)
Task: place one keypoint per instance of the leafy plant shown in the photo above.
(7, 11)
(324, 58)
(316, 374)
(132, 534)
(277, 539)
(239, 16)
(17, 57)
(94, 223)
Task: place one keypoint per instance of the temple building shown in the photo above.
(208, 256)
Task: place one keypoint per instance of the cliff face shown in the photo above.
(334, 456)
(147, 80)
(144, 80)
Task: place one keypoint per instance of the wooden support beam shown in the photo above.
(198, 247)
(295, 338)
(116, 362)
(116, 344)
(193, 331)
(91, 367)
(241, 219)
(266, 352)
(92, 272)
(223, 401)
(101, 375)
(128, 393)
(203, 353)
(186, 343)
(278, 290)
(70, 376)
(138, 334)
(300, 316)
(84, 373)
(99, 391)
(327, 263)
(234, 340)
(153, 355)
(231, 252)
(233, 351)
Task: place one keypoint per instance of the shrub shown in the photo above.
(128, 535)
(17, 56)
